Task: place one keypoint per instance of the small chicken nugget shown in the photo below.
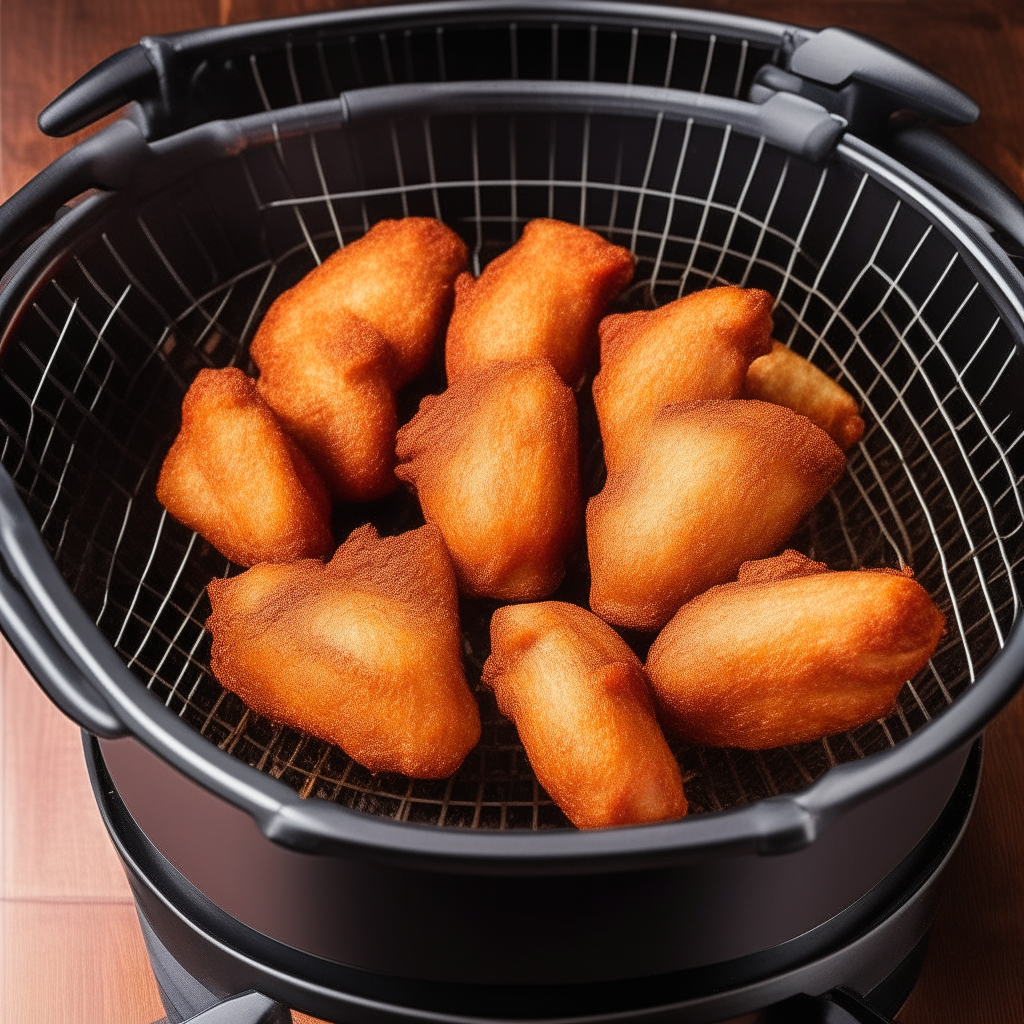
(697, 347)
(785, 378)
(235, 477)
(494, 460)
(579, 698)
(790, 653)
(365, 652)
(540, 299)
(713, 485)
(332, 393)
(398, 278)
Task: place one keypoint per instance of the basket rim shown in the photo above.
(774, 825)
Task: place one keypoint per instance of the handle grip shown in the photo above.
(107, 160)
(949, 166)
(119, 79)
(46, 657)
(56, 674)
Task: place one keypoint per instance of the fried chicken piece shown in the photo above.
(791, 652)
(697, 347)
(365, 652)
(494, 460)
(332, 393)
(234, 476)
(579, 698)
(785, 378)
(713, 485)
(540, 299)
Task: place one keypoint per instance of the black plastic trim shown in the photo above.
(835, 56)
(107, 160)
(60, 680)
(155, 71)
(956, 171)
(247, 1008)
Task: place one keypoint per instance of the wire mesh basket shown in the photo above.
(876, 281)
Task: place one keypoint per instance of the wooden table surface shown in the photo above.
(70, 946)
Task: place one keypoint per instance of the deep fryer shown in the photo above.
(596, 114)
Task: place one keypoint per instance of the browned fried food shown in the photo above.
(694, 348)
(398, 277)
(365, 652)
(331, 392)
(541, 299)
(785, 378)
(580, 700)
(235, 476)
(494, 462)
(791, 652)
(713, 485)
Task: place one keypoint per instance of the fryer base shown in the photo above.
(201, 955)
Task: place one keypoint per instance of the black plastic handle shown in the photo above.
(123, 77)
(248, 1008)
(836, 57)
(61, 681)
(951, 168)
(107, 160)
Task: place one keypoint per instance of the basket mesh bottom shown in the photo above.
(92, 378)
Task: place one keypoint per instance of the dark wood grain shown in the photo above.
(69, 945)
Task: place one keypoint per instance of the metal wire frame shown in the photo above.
(693, 58)
(935, 483)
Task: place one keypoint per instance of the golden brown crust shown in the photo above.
(398, 278)
(332, 393)
(541, 299)
(235, 476)
(365, 652)
(713, 485)
(579, 698)
(698, 347)
(494, 460)
(766, 662)
(785, 378)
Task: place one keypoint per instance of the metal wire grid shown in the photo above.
(287, 72)
(92, 381)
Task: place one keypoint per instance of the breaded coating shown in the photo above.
(398, 278)
(785, 378)
(234, 476)
(579, 698)
(365, 652)
(494, 460)
(697, 347)
(541, 299)
(714, 484)
(332, 393)
(790, 653)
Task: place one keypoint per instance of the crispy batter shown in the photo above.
(579, 698)
(785, 378)
(494, 460)
(540, 299)
(235, 476)
(790, 654)
(694, 348)
(713, 485)
(398, 277)
(332, 394)
(365, 652)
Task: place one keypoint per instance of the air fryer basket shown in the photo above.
(879, 282)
